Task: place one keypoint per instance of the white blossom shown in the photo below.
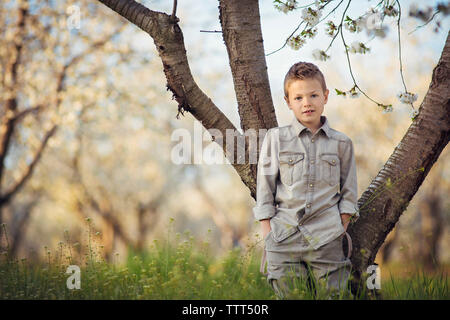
(352, 93)
(414, 113)
(358, 47)
(296, 42)
(311, 16)
(387, 109)
(355, 25)
(380, 31)
(390, 11)
(318, 3)
(320, 55)
(287, 6)
(331, 28)
(407, 97)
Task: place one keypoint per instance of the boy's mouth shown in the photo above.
(308, 111)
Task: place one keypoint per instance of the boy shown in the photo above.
(306, 189)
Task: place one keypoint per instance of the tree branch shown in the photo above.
(26, 175)
(169, 42)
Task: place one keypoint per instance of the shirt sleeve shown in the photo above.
(266, 180)
(349, 188)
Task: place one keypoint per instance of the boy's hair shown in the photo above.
(301, 71)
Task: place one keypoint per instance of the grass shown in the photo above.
(175, 269)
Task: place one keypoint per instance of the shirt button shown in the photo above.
(310, 184)
(312, 140)
(308, 205)
(312, 161)
(333, 161)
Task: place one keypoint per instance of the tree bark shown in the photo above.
(241, 30)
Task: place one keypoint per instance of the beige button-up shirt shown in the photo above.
(305, 182)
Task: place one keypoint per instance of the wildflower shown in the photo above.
(311, 16)
(296, 42)
(407, 97)
(320, 55)
(358, 47)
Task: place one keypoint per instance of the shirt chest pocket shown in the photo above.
(291, 167)
(330, 167)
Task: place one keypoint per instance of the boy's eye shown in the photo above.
(314, 95)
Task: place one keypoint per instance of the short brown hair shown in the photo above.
(301, 71)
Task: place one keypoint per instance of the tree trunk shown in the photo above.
(241, 29)
(431, 229)
(389, 193)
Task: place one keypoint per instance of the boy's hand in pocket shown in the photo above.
(265, 227)
(345, 218)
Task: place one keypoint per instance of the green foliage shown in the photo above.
(177, 269)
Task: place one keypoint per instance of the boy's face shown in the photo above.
(307, 100)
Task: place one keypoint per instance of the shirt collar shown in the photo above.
(299, 127)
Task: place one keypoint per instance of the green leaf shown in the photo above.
(339, 92)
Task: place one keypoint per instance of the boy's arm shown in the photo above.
(348, 201)
(267, 174)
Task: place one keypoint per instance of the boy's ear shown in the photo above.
(287, 101)
(326, 95)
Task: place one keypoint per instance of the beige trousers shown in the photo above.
(293, 260)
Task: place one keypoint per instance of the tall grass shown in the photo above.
(178, 268)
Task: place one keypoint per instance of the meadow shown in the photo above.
(178, 267)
